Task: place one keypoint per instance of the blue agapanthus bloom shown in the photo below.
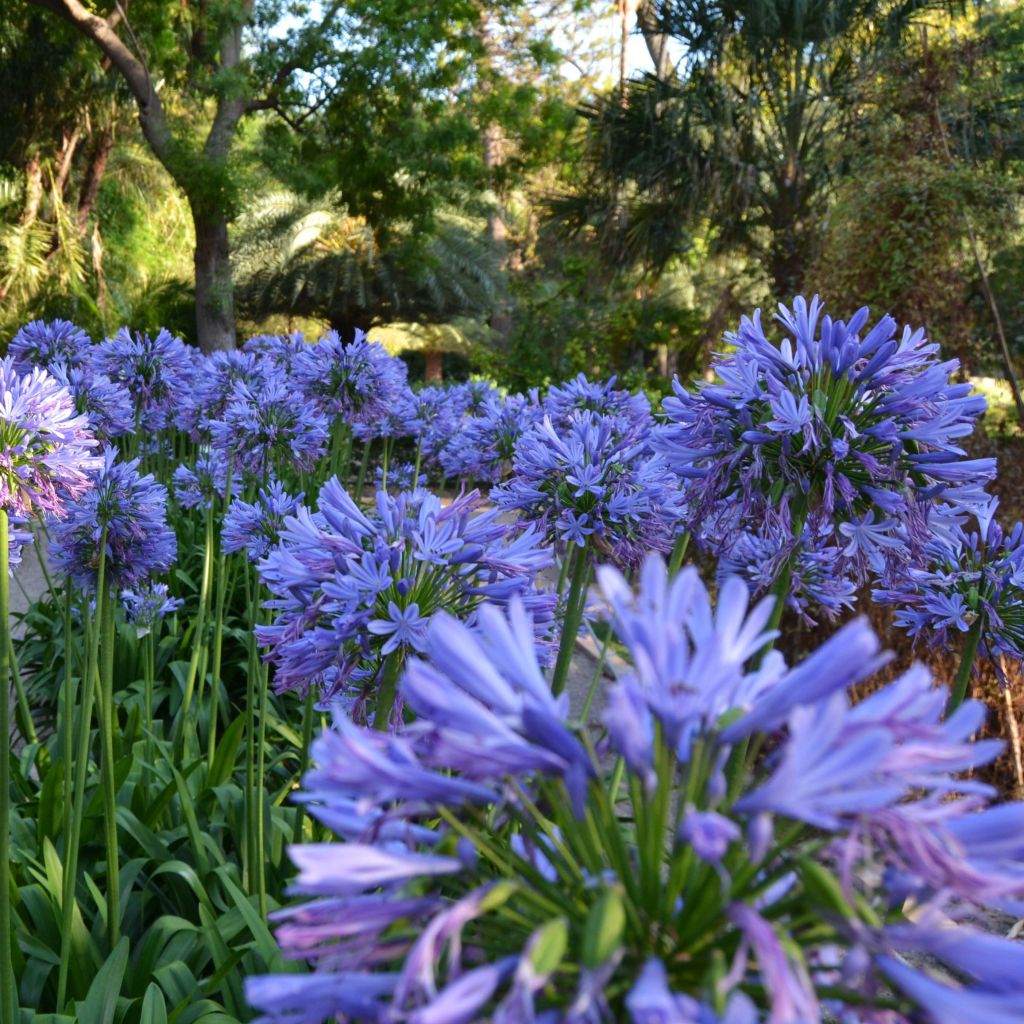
(589, 485)
(107, 405)
(216, 378)
(41, 343)
(278, 349)
(436, 418)
(131, 510)
(629, 411)
(354, 381)
(494, 866)
(255, 527)
(850, 432)
(966, 575)
(156, 371)
(146, 607)
(484, 445)
(46, 446)
(347, 584)
(401, 476)
(398, 420)
(268, 428)
(202, 483)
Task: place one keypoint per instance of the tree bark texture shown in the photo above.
(215, 308)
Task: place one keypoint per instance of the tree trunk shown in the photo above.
(215, 306)
(433, 372)
(93, 176)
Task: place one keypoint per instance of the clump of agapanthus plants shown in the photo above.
(353, 590)
(46, 461)
(970, 584)
(497, 864)
(848, 433)
(115, 537)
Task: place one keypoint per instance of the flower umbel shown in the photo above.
(494, 866)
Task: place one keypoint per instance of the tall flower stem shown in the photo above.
(261, 793)
(105, 608)
(419, 461)
(963, 676)
(679, 549)
(8, 991)
(199, 636)
(26, 726)
(574, 606)
(149, 673)
(252, 669)
(387, 691)
(80, 767)
(223, 586)
(364, 465)
(308, 715)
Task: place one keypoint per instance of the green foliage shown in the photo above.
(898, 235)
(192, 924)
(313, 259)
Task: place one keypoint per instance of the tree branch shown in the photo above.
(152, 117)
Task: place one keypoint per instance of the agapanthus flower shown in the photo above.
(819, 579)
(351, 587)
(130, 510)
(267, 428)
(436, 419)
(848, 433)
(279, 349)
(966, 578)
(629, 411)
(46, 448)
(107, 405)
(354, 381)
(214, 388)
(38, 344)
(156, 371)
(397, 420)
(255, 527)
(484, 445)
(401, 476)
(589, 485)
(494, 866)
(146, 607)
(202, 483)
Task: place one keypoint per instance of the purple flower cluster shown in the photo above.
(589, 485)
(630, 412)
(484, 446)
(203, 483)
(849, 437)
(268, 428)
(350, 587)
(106, 405)
(38, 344)
(356, 382)
(965, 576)
(255, 527)
(156, 372)
(146, 607)
(130, 511)
(490, 869)
(46, 447)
